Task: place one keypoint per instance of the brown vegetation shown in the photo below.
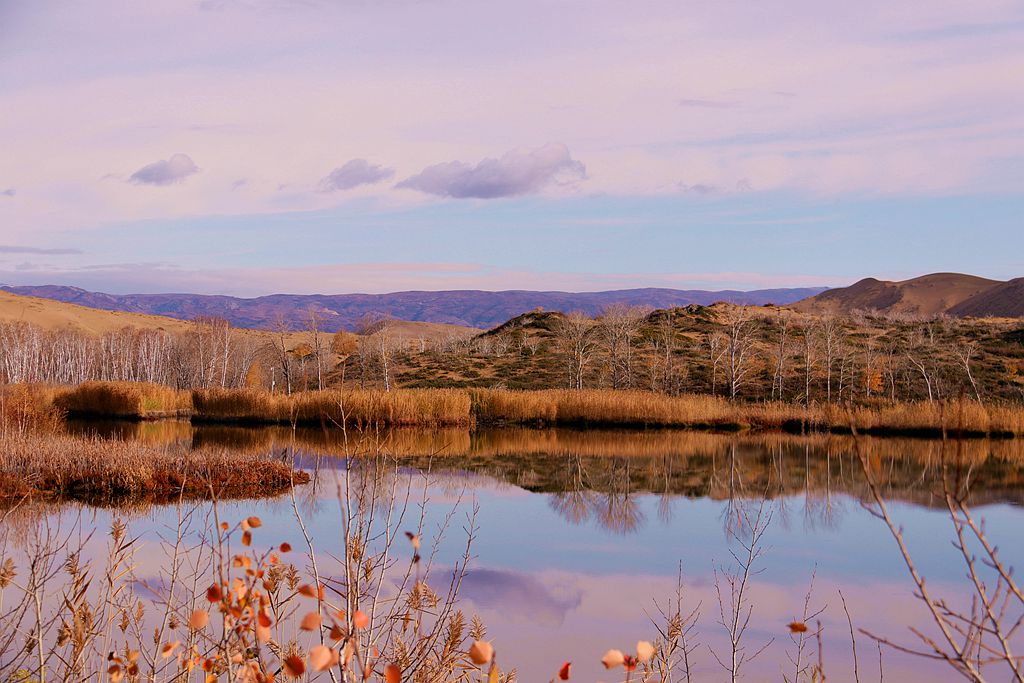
(130, 400)
(407, 407)
(102, 471)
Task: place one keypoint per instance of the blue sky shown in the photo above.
(249, 147)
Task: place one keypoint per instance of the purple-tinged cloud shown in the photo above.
(165, 171)
(706, 104)
(516, 173)
(354, 173)
(9, 192)
(11, 249)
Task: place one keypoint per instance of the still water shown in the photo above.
(580, 534)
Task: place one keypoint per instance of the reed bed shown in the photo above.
(402, 407)
(436, 408)
(98, 471)
(126, 400)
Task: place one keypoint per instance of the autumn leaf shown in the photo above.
(254, 522)
(481, 652)
(392, 674)
(360, 620)
(563, 673)
(214, 593)
(612, 659)
(199, 619)
(797, 627)
(322, 658)
(294, 666)
(310, 622)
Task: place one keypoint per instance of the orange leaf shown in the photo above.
(214, 594)
(254, 522)
(168, 649)
(798, 627)
(360, 620)
(481, 652)
(286, 547)
(310, 622)
(308, 591)
(199, 619)
(392, 674)
(322, 658)
(563, 673)
(612, 659)
(247, 539)
(294, 666)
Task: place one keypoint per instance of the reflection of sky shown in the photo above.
(551, 590)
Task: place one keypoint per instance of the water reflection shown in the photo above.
(582, 529)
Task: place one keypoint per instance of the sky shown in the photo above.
(247, 147)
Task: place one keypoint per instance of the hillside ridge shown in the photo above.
(464, 308)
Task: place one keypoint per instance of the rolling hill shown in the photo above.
(929, 295)
(54, 315)
(463, 308)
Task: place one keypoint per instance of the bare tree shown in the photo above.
(781, 353)
(965, 352)
(618, 325)
(740, 344)
(314, 321)
(716, 346)
(574, 334)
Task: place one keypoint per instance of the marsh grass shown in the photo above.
(125, 400)
(105, 471)
(402, 407)
(436, 408)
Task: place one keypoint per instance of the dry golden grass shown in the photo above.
(402, 407)
(133, 400)
(100, 471)
(636, 408)
(458, 407)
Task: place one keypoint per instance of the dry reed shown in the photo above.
(131, 400)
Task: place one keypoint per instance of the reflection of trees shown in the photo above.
(576, 502)
(605, 495)
(598, 475)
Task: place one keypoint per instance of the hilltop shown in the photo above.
(463, 308)
(51, 315)
(952, 294)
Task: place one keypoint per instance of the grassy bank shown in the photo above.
(435, 408)
(125, 400)
(103, 471)
(407, 407)
(645, 409)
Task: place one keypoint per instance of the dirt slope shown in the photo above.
(1002, 301)
(926, 295)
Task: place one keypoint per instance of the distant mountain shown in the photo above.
(469, 308)
(1005, 300)
(940, 293)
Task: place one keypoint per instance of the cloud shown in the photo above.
(516, 173)
(354, 173)
(706, 104)
(520, 595)
(165, 171)
(10, 249)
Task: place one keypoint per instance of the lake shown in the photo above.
(581, 534)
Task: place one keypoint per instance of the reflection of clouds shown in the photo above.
(521, 596)
(614, 611)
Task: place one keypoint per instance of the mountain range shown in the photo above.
(468, 308)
